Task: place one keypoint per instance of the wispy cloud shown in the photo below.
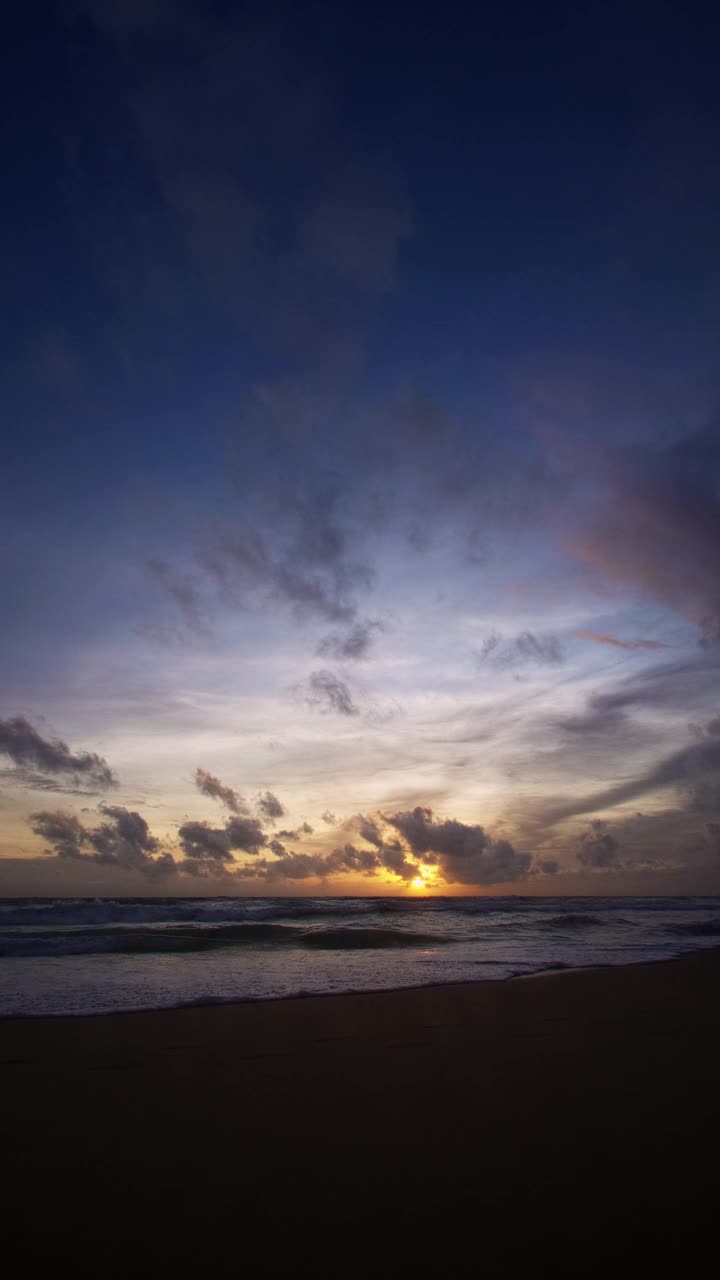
(615, 642)
(328, 693)
(351, 645)
(516, 651)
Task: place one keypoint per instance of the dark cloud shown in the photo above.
(33, 781)
(313, 573)
(245, 834)
(598, 848)
(270, 807)
(466, 854)
(349, 646)
(548, 866)
(672, 686)
(691, 768)
(354, 224)
(122, 840)
(25, 746)
(329, 693)
(369, 830)
(287, 866)
(212, 786)
(198, 841)
(204, 868)
(64, 831)
(656, 526)
(297, 833)
(394, 858)
(526, 648)
(329, 818)
(304, 866)
(316, 503)
(615, 642)
(351, 859)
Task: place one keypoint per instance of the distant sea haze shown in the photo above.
(86, 956)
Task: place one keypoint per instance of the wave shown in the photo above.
(65, 913)
(94, 912)
(139, 941)
(121, 940)
(697, 929)
(365, 939)
(573, 920)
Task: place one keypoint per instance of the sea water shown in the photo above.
(82, 956)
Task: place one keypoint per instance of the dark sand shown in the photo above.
(516, 1126)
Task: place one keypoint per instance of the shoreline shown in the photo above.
(556, 970)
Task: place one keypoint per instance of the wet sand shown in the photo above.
(569, 1119)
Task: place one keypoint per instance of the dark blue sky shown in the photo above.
(323, 316)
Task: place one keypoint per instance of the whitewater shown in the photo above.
(85, 956)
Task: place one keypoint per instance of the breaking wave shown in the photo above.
(121, 940)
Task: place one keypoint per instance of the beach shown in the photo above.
(571, 1111)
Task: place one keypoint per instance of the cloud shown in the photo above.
(466, 854)
(369, 830)
(347, 860)
(329, 693)
(270, 807)
(598, 849)
(350, 646)
(329, 818)
(181, 588)
(245, 834)
(122, 18)
(209, 785)
(64, 831)
(354, 224)
(33, 781)
(199, 840)
(394, 858)
(548, 866)
(526, 648)
(122, 840)
(297, 833)
(25, 746)
(288, 866)
(690, 768)
(599, 638)
(671, 686)
(655, 525)
(306, 559)
(162, 635)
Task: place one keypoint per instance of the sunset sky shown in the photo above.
(359, 481)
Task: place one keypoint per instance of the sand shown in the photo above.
(523, 1125)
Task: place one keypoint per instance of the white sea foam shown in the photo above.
(94, 955)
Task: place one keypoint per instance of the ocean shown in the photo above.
(87, 956)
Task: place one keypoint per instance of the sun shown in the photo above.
(418, 883)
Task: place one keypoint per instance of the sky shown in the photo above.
(359, 485)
